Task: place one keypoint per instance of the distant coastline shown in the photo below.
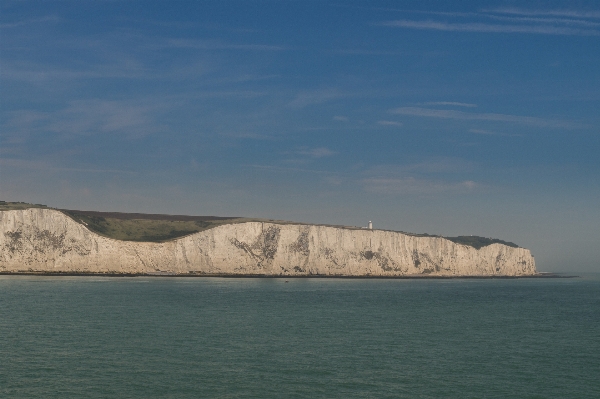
(45, 241)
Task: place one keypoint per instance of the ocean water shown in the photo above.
(94, 337)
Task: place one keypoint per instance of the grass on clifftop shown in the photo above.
(155, 227)
(480, 242)
(146, 227)
(15, 206)
(158, 228)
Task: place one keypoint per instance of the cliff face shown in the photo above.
(45, 240)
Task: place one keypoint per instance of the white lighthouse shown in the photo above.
(370, 225)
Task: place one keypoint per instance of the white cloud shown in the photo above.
(207, 44)
(32, 21)
(37, 74)
(452, 103)
(390, 123)
(482, 27)
(86, 117)
(287, 169)
(340, 118)
(319, 152)
(48, 166)
(538, 20)
(101, 116)
(365, 52)
(246, 135)
(425, 167)
(492, 133)
(429, 176)
(556, 13)
(482, 131)
(461, 115)
(414, 186)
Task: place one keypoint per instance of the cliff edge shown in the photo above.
(46, 240)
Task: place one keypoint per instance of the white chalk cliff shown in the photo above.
(46, 240)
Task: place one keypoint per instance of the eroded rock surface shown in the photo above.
(46, 240)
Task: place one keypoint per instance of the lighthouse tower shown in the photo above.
(370, 225)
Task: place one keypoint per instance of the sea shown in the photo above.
(170, 337)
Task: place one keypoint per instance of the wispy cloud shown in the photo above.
(557, 13)
(333, 180)
(518, 20)
(219, 45)
(287, 169)
(461, 115)
(561, 14)
(246, 135)
(539, 20)
(340, 118)
(429, 166)
(31, 21)
(101, 116)
(390, 123)
(37, 74)
(491, 133)
(426, 177)
(85, 117)
(46, 166)
(365, 52)
(319, 152)
(484, 132)
(414, 186)
(314, 97)
(451, 103)
(483, 27)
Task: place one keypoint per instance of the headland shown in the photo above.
(35, 239)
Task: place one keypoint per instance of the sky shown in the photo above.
(451, 118)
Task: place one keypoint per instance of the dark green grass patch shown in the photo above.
(15, 206)
(146, 227)
(480, 242)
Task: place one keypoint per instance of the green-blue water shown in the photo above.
(84, 337)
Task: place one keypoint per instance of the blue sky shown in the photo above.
(441, 117)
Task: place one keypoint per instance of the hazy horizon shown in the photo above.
(470, 118)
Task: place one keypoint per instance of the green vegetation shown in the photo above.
(12, 206)
(146, 227)
(479, 242)
(159, 228)
(152, 227)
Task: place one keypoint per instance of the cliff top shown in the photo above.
(12, 206)
(159, 227)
